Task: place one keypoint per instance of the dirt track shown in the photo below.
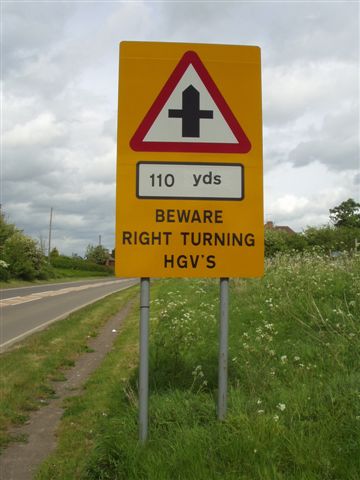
(21, 460)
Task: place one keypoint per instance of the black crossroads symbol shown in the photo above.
(190, 113)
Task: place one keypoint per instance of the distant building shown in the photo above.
(282, 228)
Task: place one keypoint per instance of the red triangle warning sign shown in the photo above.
(190, 115)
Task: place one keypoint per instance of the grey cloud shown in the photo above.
(70, 233)
(335, 145)
(287, 31)
(29, 28)
(39, 22)
(79, 217)
(317, 30)
(109, 127)
(21, 164)
(197, 16)
(343, 156)
(293, 92)
(299, 212)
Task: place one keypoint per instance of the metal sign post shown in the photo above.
(144, 358)
(223, 347)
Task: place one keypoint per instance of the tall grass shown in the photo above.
(294, 381)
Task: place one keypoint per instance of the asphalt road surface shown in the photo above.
(29, 309)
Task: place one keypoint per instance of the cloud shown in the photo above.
(288, 32)
(303, 196)
(40, 24)
(336, 144)
(43, 130)
(29, 58)
(298, 212)
(301, 31)
(302, 90)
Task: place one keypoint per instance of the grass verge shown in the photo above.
(28, 369)
(294, 384)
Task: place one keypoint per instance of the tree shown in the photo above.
(275, 241)
(6, 230)
(24, 257)
(347, 214)
(54, 253)
(97, 254)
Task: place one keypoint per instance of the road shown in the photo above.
(29, 309)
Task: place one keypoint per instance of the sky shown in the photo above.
(59, 78)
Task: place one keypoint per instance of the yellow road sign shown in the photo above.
(189, 168)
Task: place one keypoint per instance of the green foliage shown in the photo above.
(4, 271)
(327, 239)
(6, 230)
(98, 254)
(24, 257)
(21, 257)
(276, 241)
(347, 214)
(54, 253)
(332, 239)
(76, 263)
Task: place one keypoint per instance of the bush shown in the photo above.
(62, 261)
(276, 241)
(6, 230)
(4, 272)
(24, 257)
(331, 239)
(97, 254)
(327, 239)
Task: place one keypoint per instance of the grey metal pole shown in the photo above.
(50, 225)
(223, 347)
(144, 358)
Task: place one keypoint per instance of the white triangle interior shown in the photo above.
(165, 129)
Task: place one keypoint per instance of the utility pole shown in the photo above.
(50, 225)
(100, 240)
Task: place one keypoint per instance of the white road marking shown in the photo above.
(8, 302)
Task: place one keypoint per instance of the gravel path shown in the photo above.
(21, 460)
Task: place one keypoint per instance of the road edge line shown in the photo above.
(60, 283)
(6, 345)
